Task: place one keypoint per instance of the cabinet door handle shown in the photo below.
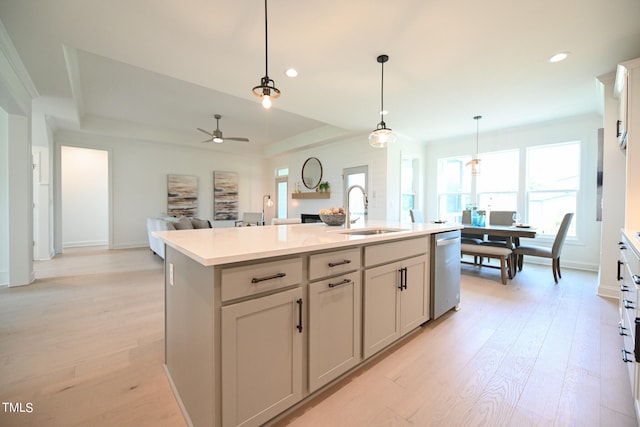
(622, 331)
(624, 356)
(627, 304)
(343, 282)
(335, 264)
(636, 279)
(401, 286)
(262, 279)
(403, 278)
(618, 124)
(299, 326)
(620, 264)
(623, 288)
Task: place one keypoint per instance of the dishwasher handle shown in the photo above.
(447, 241)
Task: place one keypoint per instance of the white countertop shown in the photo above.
(216, 246)
(633, 236)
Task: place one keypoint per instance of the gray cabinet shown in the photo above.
(261, 357)
(334, 328)
(396, 301)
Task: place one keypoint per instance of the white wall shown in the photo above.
(139, 172)
(85, 196)
(383, 171)
(582, 252)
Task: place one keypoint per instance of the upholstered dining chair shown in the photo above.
(416, 216)
(499, 218)
(466, 237)
(553, 252)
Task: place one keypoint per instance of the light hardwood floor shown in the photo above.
(84, 345)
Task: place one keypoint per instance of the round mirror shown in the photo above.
(311, 173)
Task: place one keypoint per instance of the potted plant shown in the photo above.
(323, 187)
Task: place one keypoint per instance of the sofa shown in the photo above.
(171, 223)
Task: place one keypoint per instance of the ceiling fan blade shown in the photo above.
(237, 139)
(208, 140)
(207, 132)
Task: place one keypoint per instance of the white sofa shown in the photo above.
(171, 223)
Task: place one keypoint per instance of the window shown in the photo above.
(543, 193)
(282, 189)
(408, 174)
(497, 184)
(553, 181)
(454, 187)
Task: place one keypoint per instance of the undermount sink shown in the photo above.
(370, 231)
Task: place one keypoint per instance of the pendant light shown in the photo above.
(382, 136)
(475, 162)
(267, 91)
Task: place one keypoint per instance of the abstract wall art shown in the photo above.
(225, 196)
(182, 195)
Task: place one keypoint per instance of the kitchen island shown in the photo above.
(258, 319)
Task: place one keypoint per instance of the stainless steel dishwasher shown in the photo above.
(445, 272)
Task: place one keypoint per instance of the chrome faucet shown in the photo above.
(366, 202)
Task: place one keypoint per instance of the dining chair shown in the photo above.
(544, 252)
(472, 239)
(249, 218)
(500, 218)
(416, 216)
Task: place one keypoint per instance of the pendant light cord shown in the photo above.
(477, 119)
(382, 96)
(266, 45)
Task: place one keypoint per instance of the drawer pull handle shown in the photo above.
(622, 331)
(344, 282)
(627, 304)
(636, 279)
(624, 356)
(262, 279)
(623, 288)
(335, 264)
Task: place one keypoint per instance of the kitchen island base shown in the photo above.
(248, 341)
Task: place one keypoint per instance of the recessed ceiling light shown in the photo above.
(561, 56)
(291, 72)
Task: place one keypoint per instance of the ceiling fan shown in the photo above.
(216, 135)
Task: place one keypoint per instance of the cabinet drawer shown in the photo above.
(332, 263)
(399, 249)
(247, 280)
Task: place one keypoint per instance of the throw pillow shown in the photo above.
(183, 224)
(200, 223)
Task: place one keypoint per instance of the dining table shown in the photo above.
(511, 233)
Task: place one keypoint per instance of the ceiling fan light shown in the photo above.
(381, 137)
(217, 140)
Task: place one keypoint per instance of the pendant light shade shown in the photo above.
(382, 136)
(475, 162)
(267, 90)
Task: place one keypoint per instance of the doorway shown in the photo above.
(84, 185)
(355, 176)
